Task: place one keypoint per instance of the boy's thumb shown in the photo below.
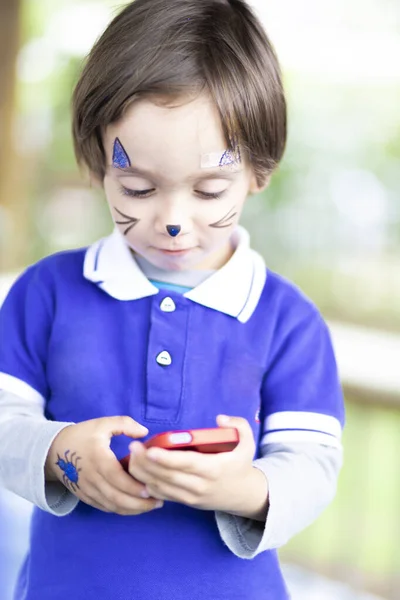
(124, 426)
(238, 423)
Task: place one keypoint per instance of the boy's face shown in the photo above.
(163, 170)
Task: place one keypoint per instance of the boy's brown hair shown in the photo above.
(169, 49)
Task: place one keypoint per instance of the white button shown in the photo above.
(164, 359)
(167, 305)
(183, 437)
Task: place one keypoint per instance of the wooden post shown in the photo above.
(13, 216)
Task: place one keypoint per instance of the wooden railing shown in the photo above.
(356, 540)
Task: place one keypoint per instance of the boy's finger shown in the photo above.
(114, 474)
(123, 425)
(118, 502)
(239, 423)
(181, 460)
(126, 483)
(177, 490)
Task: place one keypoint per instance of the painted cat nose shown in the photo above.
(173, 230)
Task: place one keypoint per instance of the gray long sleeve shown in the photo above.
(25, 438)
(301, 479)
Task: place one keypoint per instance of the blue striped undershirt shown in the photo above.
(162, 285)
(176, 281)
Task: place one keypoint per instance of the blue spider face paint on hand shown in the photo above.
(120, 159)
(70, 469)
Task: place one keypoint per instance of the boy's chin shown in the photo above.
(174, 263)
(192, 260)
(196, 259)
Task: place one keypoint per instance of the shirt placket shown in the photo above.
(166, 356)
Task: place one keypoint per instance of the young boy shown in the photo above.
(171, 322)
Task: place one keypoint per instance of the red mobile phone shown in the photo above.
(209, 441)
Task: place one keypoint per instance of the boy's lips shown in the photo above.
(174, 251)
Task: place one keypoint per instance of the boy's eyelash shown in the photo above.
(145, 193)
(135, 193)
(211, 195)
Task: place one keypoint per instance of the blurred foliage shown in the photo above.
(330, 219)
(356, 537)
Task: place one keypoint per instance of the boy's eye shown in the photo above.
(136, 193)
(145, 193)
(210, 195)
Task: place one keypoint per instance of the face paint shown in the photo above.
(220, 159)
(68, 465)
(131, 221)
(230, 157)
(120, 159)
(173, 230)
(161, 190)
(226, 221)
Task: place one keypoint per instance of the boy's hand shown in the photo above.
(81, 458)
(225, 481)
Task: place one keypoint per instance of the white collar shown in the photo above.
(234, 289)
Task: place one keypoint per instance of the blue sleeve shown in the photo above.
(302, 399)
(25, 329)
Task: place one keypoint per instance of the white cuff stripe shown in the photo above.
(11, 384)
(301, 436)
(303, 420)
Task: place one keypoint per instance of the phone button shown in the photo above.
(168, 305)
(182, 437)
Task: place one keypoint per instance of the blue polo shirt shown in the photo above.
(85, 334)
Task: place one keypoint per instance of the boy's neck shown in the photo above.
(190, 278)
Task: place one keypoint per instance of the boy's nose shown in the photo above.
(173, 230)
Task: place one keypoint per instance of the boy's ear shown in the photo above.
(257, 187)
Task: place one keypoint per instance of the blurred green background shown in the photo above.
(330, 220)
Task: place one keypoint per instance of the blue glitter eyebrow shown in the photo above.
(120, 159)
